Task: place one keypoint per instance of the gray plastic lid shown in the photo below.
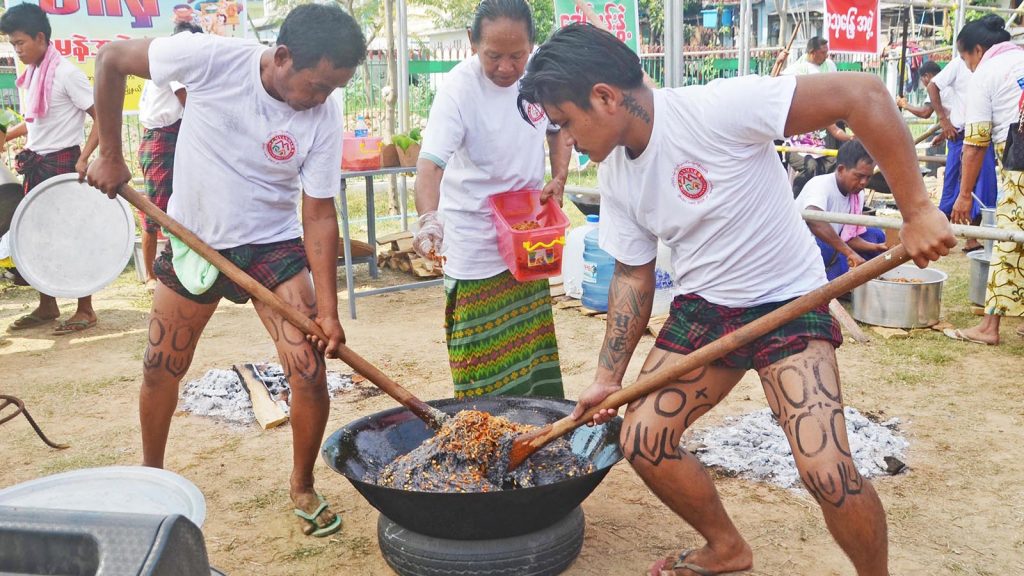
(592, 218)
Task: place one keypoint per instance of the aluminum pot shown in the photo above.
(885, 301)
(988, 220)
(978, 278)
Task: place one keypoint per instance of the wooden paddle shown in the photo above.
(679, 365)
(432, 416)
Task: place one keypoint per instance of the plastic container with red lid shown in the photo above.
(534, 251)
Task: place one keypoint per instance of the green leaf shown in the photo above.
(415, 135)
(402, 141)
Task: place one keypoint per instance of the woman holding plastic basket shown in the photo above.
(500, 331)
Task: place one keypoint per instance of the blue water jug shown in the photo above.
(598, 267)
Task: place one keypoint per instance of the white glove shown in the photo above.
(427, 240)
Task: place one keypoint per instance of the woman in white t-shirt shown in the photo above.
(696, 169)
(500, 332)
(993, 103)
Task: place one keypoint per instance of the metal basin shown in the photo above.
(359, 450)
(887, 302)
(978, 277)
(586, 199)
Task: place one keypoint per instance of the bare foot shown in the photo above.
(734, 560)
(976, 334)
(308, 501)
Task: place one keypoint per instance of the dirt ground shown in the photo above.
(958, 510)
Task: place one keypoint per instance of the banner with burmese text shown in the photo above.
(853, 26)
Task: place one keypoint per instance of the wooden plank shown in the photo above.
(558, 290)
(655, 324)
(589, 311)
(268, 413)
(570, 303)
(847, 322)
(397, 236)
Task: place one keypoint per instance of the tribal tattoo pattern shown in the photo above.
(804, 396)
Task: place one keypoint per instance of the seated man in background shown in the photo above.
(843, 246)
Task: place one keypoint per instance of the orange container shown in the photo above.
(361, 153)
(531, 235)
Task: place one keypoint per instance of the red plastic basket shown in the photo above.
(530, 254)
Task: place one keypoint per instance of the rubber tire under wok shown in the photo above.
(545, 552)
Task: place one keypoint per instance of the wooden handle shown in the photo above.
(260, 292)
(679, 365)
(929, 132)
(778, 67)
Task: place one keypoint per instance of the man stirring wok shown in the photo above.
(696, 168)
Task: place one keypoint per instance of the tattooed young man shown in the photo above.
(695, 168)
(254, 138)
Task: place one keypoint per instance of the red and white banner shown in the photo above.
(853, 25)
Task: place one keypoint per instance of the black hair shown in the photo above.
(187, 27)
(313, 32)
(986, 32)
(514, 10)
(816, 42)
(572, 61)
(852, 153)
(26, 18)
(929, 67)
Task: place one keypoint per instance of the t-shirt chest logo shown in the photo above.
(534, 112)
(280, 147)
(692, 180)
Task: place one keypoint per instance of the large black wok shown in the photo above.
(359, 450)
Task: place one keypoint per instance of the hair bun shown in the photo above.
(994, 22)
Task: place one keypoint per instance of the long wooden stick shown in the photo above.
(678, 365)
(779, 65)
(432, 416)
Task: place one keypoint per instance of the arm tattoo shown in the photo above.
(634, 107)
(625, 325)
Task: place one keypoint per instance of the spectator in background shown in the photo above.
(843, 246)
(947, 91)
(160, 110)
(57, 98)
(808, 164)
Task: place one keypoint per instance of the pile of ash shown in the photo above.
(219, 393)
(754, 447)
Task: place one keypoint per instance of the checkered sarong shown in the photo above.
(37, 168)
(156, 157)
(694, 322)
(270, 264)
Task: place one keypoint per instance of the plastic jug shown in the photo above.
(664, 281)
(572, 258)
(598, 267)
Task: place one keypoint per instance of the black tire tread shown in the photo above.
(546, 552)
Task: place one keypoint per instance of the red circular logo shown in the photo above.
(692, 182)
(535, 112)
(281, 147)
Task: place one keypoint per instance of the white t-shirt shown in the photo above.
(805, 66)
(476, 134)
(954, 82)
(710, 186)
(995, 92)
(822, 192)
(159, 105)
(242, 156)
(64, 123)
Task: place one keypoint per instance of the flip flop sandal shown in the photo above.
(320, 531)
(29, 321)
(72, 326)
(670, 565)
(956, 334)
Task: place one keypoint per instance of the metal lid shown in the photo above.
(127, 489)
(69, 240)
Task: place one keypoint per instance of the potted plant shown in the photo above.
(408, 147)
